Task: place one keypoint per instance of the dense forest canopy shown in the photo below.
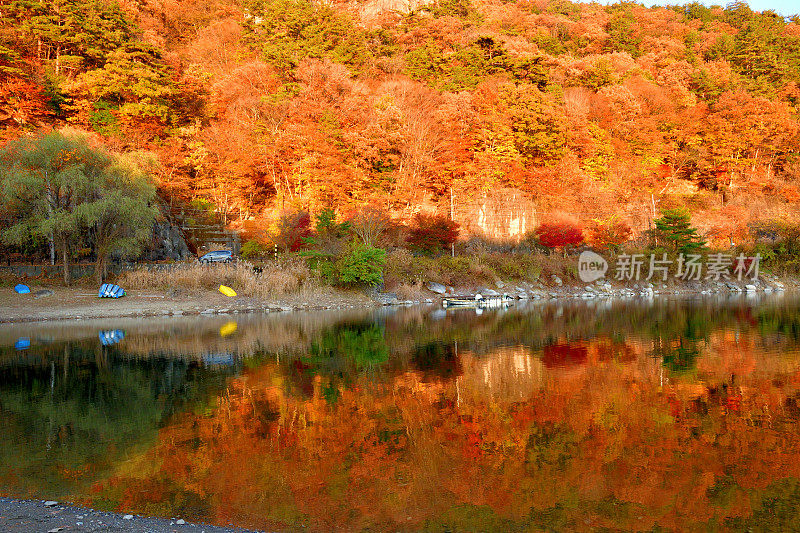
(257, 106)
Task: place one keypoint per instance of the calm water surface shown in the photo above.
(673, 415)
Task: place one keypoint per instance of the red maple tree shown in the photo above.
(558, 234)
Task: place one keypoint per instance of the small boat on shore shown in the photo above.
(109, 290)
(477, 300)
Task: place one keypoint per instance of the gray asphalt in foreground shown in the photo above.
(33, 516)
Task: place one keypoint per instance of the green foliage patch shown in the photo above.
(674, 228)
(286, 31)
(466, 67)
(360, 265)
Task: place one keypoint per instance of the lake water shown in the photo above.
(673, 414)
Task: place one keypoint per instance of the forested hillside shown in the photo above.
(592, 112)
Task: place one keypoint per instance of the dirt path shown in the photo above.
(38, 516)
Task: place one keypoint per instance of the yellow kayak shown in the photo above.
(227, 291)
(228, 329)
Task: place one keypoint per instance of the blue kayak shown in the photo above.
(109, 290)
(22, 289)
(110, 336)
(23, 343)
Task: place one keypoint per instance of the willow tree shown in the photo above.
(120, 214)
(62, 189)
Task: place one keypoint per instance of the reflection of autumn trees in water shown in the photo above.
(671, 416)
(569, 417)
(71, 412)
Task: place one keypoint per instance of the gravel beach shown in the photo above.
(40, 516)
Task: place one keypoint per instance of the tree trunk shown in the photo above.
(100, 268)
(65, 258)
(49, 215)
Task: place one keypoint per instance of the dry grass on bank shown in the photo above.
(405, 271)
(415, 291)
(278, 278)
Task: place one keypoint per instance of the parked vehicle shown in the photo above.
(217, 256)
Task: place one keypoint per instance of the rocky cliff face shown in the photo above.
(168, 243)
(504, 214)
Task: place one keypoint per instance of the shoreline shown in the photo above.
(23, 516)
(81, 303)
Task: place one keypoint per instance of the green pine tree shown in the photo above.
(286, 31)
(675, 228)
(68, 33)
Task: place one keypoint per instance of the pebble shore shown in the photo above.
(40, 516)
